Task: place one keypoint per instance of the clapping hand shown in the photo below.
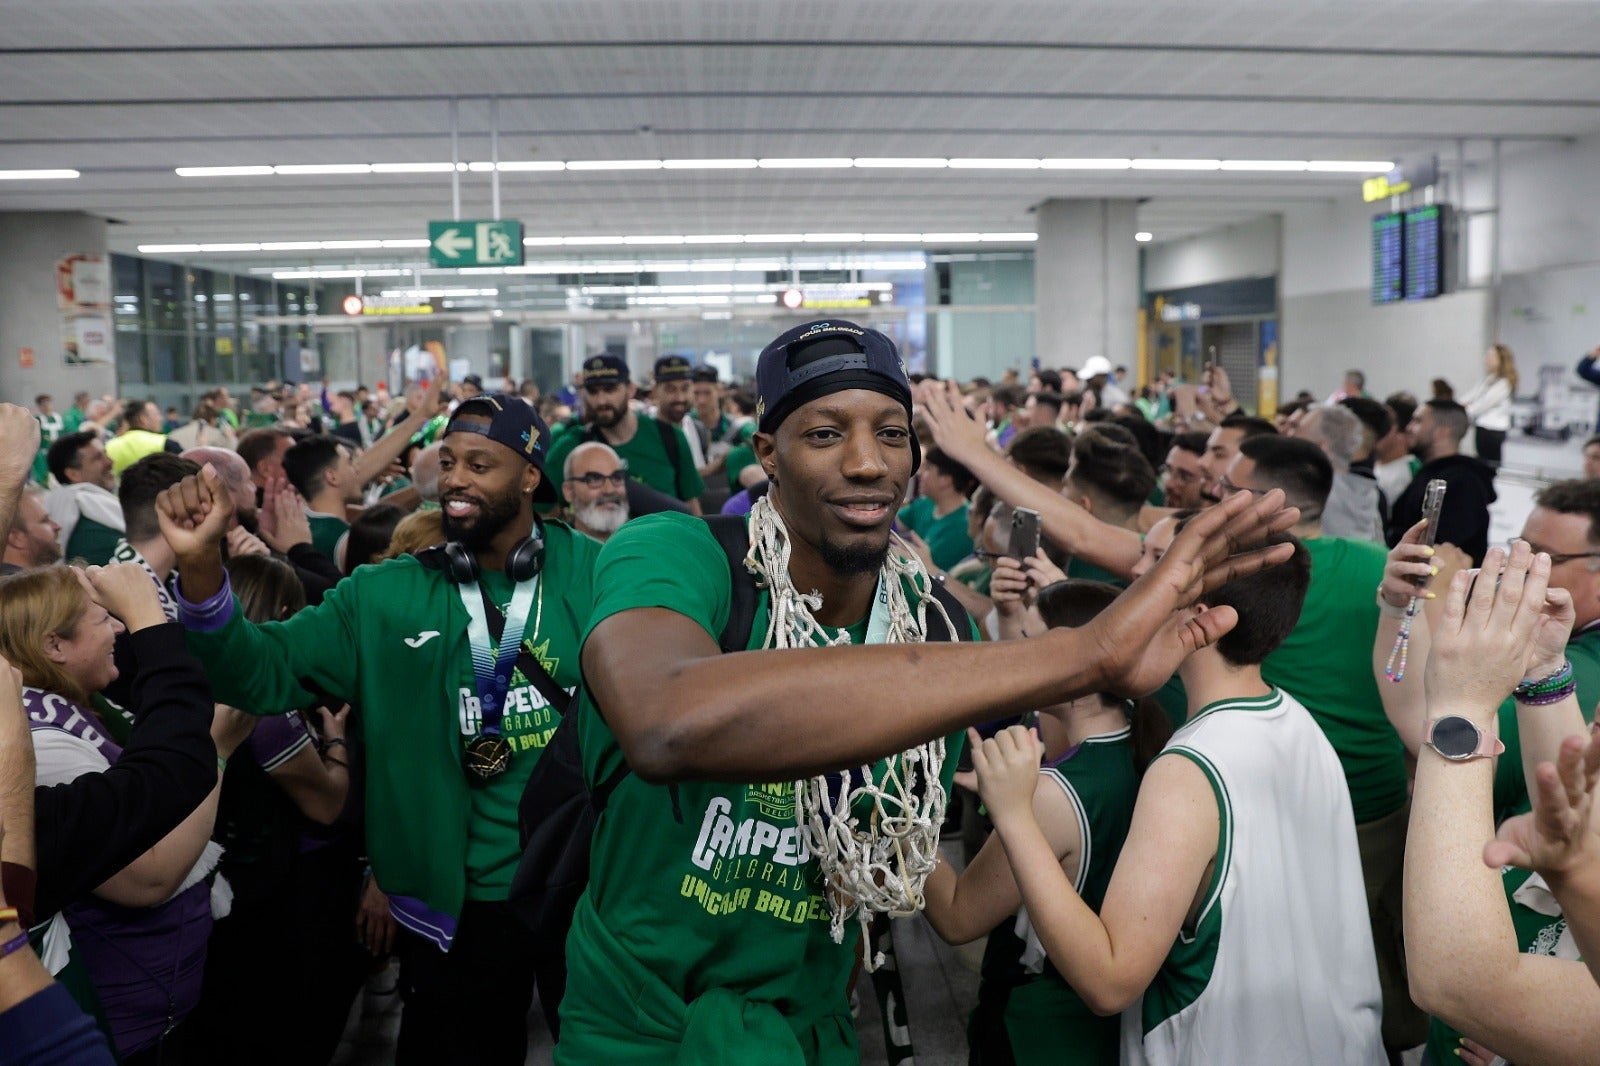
(1560, 836)
(1007, 769)
(283, 517)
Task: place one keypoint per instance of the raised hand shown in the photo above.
(956, 432)
(333, 724)
(1154, 625)
(1008, 587)
(283, 517)
(1007, 767)
(19, 443)
(1043, 572)
(195, 514)
(242, 542)
(1409, 568)
(1560, 836)
(127, 591)
(1481, 642)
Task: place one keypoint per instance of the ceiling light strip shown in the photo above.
(669, 239)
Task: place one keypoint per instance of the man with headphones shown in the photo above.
(459, 663)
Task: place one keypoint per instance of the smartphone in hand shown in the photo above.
(1024, 543)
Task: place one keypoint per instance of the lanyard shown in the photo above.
(491, 670)
(878, 624)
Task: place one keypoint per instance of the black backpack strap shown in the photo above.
(958, 617)
(669, 442)
(733, 535)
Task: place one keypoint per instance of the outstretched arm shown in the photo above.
(1071, 527)
(681, 710)
(421, 407)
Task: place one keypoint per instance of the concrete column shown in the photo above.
(31, 243)
(1086, 282)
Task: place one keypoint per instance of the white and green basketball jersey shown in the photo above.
(1279, 966)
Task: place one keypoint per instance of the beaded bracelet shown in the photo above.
(1547, 690)
(13, 945)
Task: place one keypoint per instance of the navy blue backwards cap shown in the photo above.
(605, 370)
(514, 424)
(818, 358)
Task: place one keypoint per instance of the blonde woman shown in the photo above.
(1488, 403)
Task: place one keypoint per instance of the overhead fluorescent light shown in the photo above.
(994, 164)
(892, 238)
(38, 175)
(951, 238)
(1264, 165)
(406, 242)
(819, 163)
(914, 163)
(413, 168)
(1017, 238)
(290, 246)
(833, 238)
(774, 238)
(1144, 236)
(1350, 166)
(614, 164)
(167, 249)
(322, 168)
(1085, 164)
(541, 242)
(243, 246)
(223, 172)
(349, 245)
(1177, 164)
(709, 164)
(590, 240)
(480, 166)
(663, 239)
(715, 238)
(530, 165)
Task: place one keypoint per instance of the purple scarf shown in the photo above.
(51, 710)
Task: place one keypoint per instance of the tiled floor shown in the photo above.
(941, 983)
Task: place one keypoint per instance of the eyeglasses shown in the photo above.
(984, 556)
(1183, 477)
(1229, 488)
(593, 480)
(1556, 558)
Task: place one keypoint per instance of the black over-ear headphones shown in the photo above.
(522, 562)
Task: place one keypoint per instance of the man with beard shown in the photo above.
(1435, 432)
(704, 934)
(33, 538)
(657, 452)
(595, 484)
(84, 503)
(448, 749)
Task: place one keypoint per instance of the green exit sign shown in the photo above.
(475, 243)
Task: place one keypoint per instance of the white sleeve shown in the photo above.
(61, 757)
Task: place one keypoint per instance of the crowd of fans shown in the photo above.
(287, 688)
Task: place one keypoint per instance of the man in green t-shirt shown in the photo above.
(704, 934)
(1111, 480)
(657, 453)
(449, 747)
(939, 515)
(1326, 665)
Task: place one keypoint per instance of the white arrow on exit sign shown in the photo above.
(451, 244)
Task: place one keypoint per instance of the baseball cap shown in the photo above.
(474, 380)
(1094, 366)
(818, 358)
(514, 424)
(673, 368)
(605, 370)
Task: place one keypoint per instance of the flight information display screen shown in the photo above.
(1388, 258)
(1425, 237)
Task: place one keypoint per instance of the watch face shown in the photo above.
(1454, 737)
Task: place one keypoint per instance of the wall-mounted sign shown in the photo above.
(83, 297)
(475, 244)
(25, 358)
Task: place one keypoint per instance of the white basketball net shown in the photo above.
(875, 834)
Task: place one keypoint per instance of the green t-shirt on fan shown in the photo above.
(740, 458)
(647, 458)
(1326, 664)
(92, 542)
(327, 531)
(1084, 570)
(946, 534)
(704, 924)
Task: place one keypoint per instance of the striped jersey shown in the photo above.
(1279, 965)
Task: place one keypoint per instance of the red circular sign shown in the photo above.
(352, 305)
(793, 299)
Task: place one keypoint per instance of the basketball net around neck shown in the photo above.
(875, 830)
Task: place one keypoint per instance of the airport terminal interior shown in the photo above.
(1145, 254)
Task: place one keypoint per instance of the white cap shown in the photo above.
(1094, 366)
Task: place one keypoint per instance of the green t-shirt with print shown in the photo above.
(1537, 934)
(646, 455)
(946, 534)
(1326, 664)
(704, 923)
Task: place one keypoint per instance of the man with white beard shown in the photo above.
(595, 484)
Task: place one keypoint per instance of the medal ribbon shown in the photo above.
(491, 669)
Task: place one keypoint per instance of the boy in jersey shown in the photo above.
(1235, 926)
(704, 933)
